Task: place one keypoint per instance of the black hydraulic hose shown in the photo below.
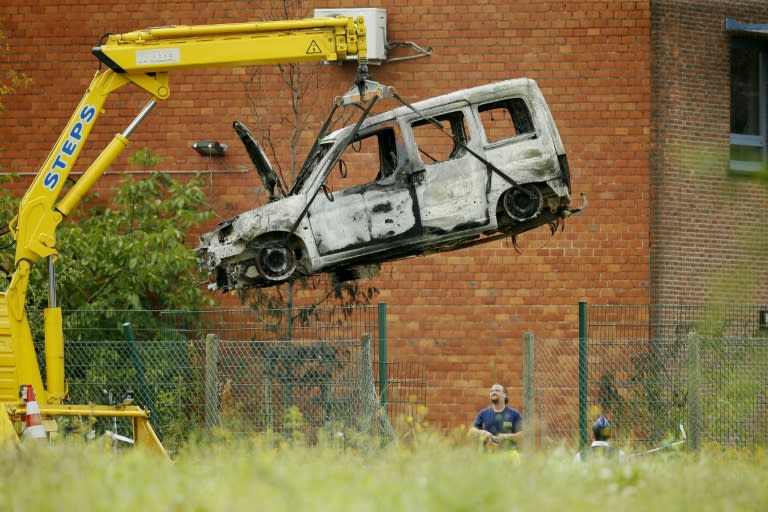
(464, 146)
(352, 135)
(311, 155)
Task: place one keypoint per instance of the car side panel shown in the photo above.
(371, 214)
(452, 195)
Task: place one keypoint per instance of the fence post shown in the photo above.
(529, 396)
(366, 384)
(583, 376)
(382, 323)
(211, 380)
(694, 390)
(139, 367)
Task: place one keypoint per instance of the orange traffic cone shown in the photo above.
(34, 428)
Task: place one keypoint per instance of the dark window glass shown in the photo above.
(747, 154)
(745, 91)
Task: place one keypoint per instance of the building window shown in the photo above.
(749, 94)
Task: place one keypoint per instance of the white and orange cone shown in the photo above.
(34, 428)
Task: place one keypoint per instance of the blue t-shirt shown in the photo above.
(506, 421)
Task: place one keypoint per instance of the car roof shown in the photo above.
(478, 94)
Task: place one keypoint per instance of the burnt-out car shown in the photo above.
(452, 171)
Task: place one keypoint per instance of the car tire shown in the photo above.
(523, 203)
(276, 262)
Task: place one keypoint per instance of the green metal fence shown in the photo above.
(648, 368)
(653, 367)
(299, 373)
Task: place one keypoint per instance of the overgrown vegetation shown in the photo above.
(10, 79)
(435, 474)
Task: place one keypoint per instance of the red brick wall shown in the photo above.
(464, 313)
(708, 227)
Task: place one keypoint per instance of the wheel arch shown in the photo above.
(270, 248)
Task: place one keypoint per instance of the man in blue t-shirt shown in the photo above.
(499, 425)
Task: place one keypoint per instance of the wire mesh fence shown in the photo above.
(556, 390)
(648, 368)
(654, 367)
(299, 374)
(405, 391)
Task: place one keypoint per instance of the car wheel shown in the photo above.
(523, 203)
(277, 262)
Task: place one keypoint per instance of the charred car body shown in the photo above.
(456, 170)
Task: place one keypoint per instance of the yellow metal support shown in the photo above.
(54, 354)
(19, 361)
(146, 438)
(9, 389)
(144, 435)
(34, 230)
(35, 227)
(93, 173)
(8, 435)
(236, 44)
(185, 32)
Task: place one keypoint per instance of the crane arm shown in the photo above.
(143, 58)
(237, 44)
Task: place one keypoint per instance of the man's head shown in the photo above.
(498, 394)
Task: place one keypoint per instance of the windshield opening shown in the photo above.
(306, 170)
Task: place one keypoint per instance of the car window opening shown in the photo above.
(366, 154)
(505, 119)
(431, 141)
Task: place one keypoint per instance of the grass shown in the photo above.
(433, 475)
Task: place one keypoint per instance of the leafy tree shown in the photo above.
(126, 254)
(145, 158)
(129, 254)
(11, 80)
(133, 255)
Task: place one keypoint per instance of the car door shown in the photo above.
(366, 200)
(450, 182)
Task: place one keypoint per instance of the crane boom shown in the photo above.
(237, 44)
(143, 58)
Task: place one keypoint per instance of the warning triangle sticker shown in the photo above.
(313, 48)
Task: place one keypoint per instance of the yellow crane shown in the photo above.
(144, 58)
